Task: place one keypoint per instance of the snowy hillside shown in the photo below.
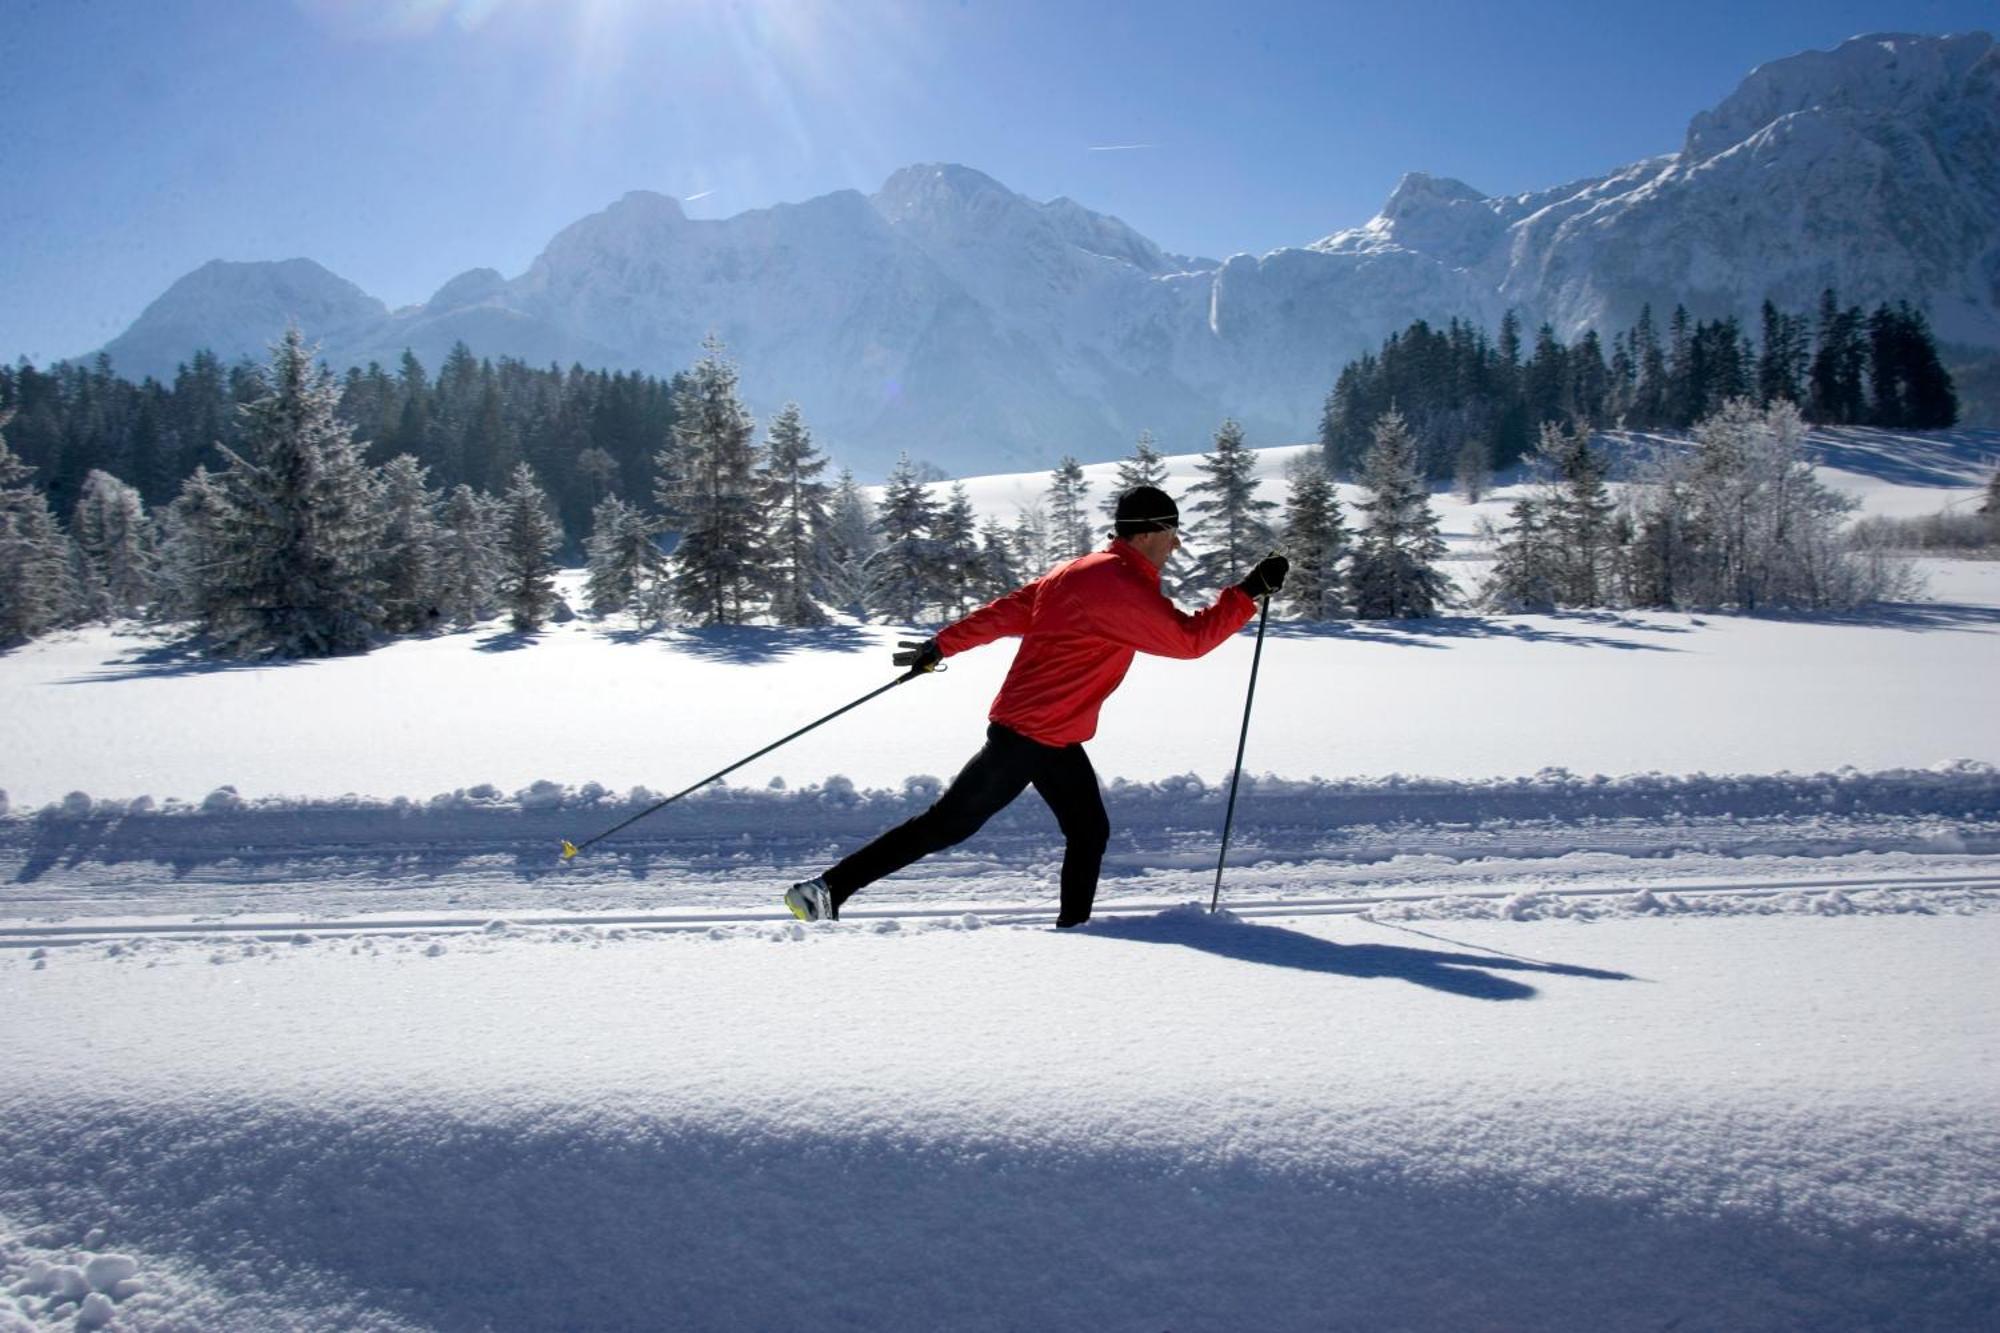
(1579, 972)
(117, 715)
(952, 317)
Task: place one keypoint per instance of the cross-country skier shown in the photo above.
(1079, 626)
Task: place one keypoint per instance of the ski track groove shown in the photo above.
(33, 936)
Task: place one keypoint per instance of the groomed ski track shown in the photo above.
(394, 1065)
(1914, 893)
(89, 870)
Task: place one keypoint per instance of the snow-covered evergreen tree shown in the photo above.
(37, 586)
(714, 502)
(186, 546)
(406, 562)
(1316, 540)
(295, 569)
(1526, 560)
(1394, 569)
(847, 539)
(999, 567)
(528, 538)
(1145, 467)
(115, 538)
(906, 576)
(1231, 531)
(468, 556)
(956, 534)
(627, 569)
(1561, 546)
(796, 505)
(1069, 525)
(1031, 541)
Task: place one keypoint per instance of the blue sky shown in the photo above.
(400, 142)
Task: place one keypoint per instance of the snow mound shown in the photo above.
(71, 1290)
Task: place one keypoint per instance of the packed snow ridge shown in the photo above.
(726, 846)
(1958, 786)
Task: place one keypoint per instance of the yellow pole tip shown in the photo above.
(569, 849)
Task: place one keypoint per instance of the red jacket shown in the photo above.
(1079, 625)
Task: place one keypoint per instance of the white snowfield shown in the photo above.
(1619, 972)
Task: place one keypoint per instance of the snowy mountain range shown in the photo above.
(984, 331)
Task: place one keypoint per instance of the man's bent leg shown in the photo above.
(1068, 783)
(984, 787)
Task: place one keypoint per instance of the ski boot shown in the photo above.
(811, 900)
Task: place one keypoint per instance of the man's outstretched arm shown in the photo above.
(1001, 618)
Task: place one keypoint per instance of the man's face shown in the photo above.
(1158, 546)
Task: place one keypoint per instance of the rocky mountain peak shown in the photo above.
(217, 304)
(1879, 74)
(639, 221)
(943, 194)
(468, 288)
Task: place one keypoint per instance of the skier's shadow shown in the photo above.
(1471, 975)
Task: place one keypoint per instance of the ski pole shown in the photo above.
(570, 849)
(1229, 816)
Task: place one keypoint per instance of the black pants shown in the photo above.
(1002, 769)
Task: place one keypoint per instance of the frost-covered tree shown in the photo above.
(37, 585)
(468, 556)
(1069, 529)
(847, 539)
(1316, 540)
(1394, 571)
(906, 576)
(599, 472)
(1741, 522)
(1526, 560)
(1473, 470)
(528, 538)
(406, 562)
(1231, 531)
(115, 539)
(295, 569)
(627, 569)
(189, 545)
(1577, 510)
(1031, 540)
(714, 501)
(795, 504)
(999, 567)
(956, 536)
(1145, 467)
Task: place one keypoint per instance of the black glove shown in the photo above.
(1268, 577)
(923, 656)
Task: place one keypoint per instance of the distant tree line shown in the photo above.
(296, 544)
(297, 532)
(1477, 405)
(588, 433)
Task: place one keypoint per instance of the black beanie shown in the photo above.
(1146, 509)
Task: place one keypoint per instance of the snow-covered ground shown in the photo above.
(1581, 972)
(1168, 1121)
